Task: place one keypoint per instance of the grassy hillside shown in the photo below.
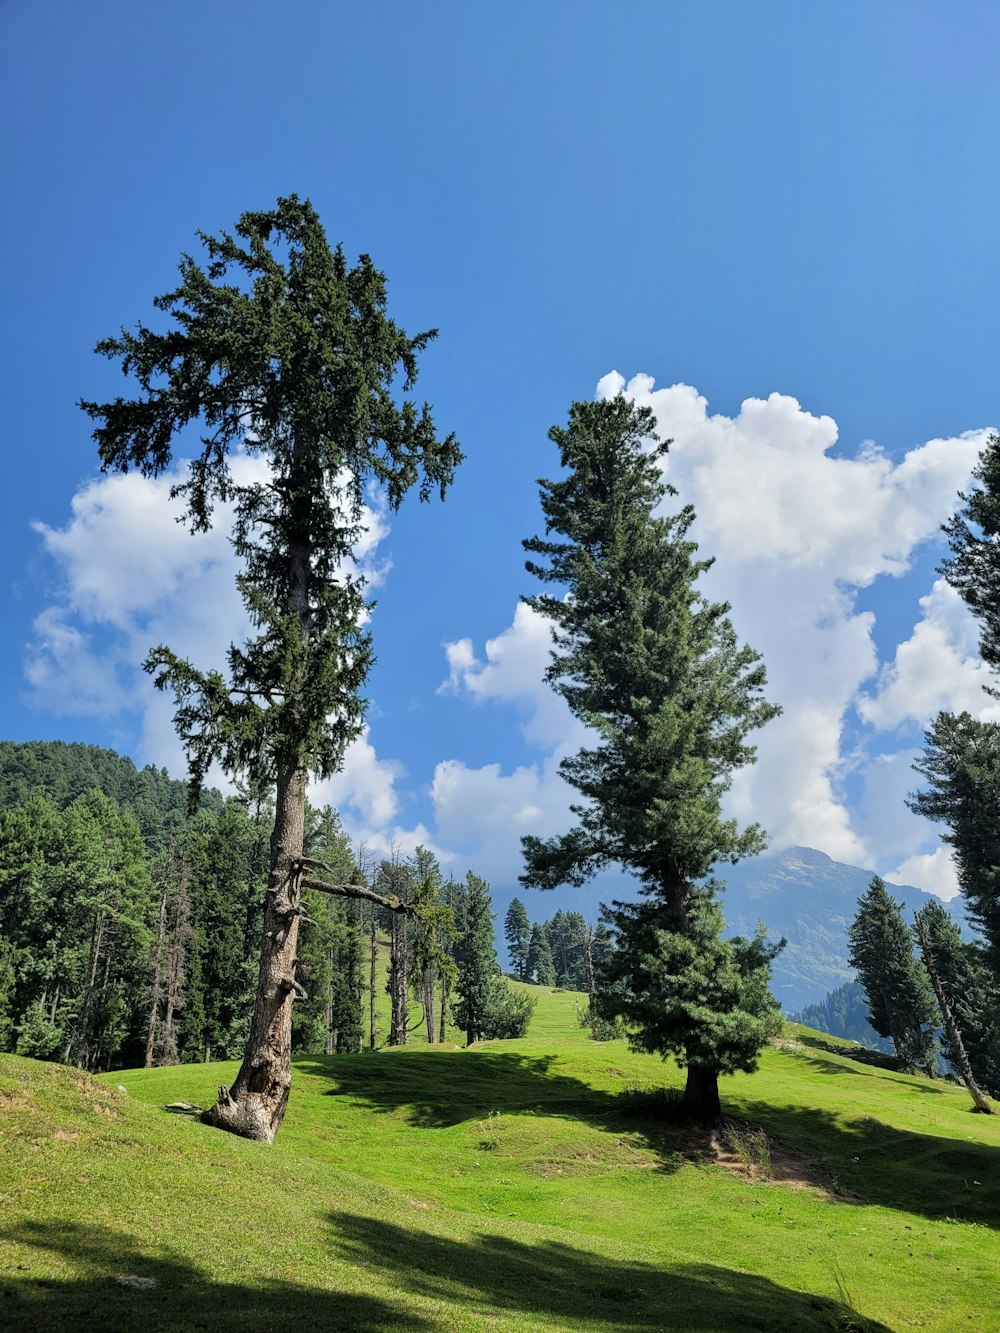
(517, 1185)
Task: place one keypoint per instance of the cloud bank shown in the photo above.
(798, 530)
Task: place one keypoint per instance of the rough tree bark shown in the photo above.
(154, 1004)
(398, 994)
(255, 1104)
(979, 1099)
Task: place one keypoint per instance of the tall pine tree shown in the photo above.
(517, 933)
(961, 763)
(900, 1003)
(973, 568)
(656, 672)
(279, 349)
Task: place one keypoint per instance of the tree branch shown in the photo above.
(391, 903)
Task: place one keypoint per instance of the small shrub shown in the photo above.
(37, 1036)
(509, 1014)
(601, 1028)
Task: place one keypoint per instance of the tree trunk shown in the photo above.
(701, 1095)
(397, 981)
(154, 1003)
(444, 1004)
(372, 1008)
(255, 1105)
(588, 964)
(83, 1027)
(979, 1100)
(429, 1003)
(330, 1039)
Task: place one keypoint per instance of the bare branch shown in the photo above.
(391, 904)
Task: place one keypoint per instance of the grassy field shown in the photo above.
(536, 1184)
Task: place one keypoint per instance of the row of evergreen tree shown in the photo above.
(927, 989)
(563, 951)
(129, 930)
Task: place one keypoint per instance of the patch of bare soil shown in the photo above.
(748, 1152)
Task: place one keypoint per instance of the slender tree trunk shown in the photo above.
(443, 1036)
(979, 1099)
(330, 1041)
(154, 1003)
(397, 981)
(429, 1003)
(588, 963)
(255, 1104)
(83, 1027)
(373, 965)
(169, 1054)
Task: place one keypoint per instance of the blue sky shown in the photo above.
(775, 223)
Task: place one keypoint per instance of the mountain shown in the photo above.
(811, 899)
(799, 893)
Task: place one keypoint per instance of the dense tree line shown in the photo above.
(120, 947)
(843, 1012)
(562, 951)
(927, 989)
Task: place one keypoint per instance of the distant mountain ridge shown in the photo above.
(811, 899)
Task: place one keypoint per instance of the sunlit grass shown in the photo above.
(511, 1185)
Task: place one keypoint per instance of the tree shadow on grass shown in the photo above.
(894, 1076)
(862, 1160)
(861, 1055)
(501, 1280)
(180, 1297)
(935, 1177)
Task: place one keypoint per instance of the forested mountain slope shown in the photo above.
(65, 770)
(811, 899)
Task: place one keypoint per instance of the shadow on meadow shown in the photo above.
(857, 1054)
(864, 1159)
(181, 1297)
(490, 1278)
(936, 1177)
(492, 1275)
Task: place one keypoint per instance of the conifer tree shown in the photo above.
(972, 992)
(517, 933)
(476, 957)
(657, 674)
(279, 349)
(900, 1003)
(973, 568)
(541, 968)
(961, 763)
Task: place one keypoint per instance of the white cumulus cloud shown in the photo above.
(797, 531)
(937, 668)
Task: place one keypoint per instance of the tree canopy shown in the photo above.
(973, 568)
(655, 671)
(282, 353)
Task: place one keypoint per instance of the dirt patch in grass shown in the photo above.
(748, 1152)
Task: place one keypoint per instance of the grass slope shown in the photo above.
(516, 1185)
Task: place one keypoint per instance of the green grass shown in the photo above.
(516, 1185)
